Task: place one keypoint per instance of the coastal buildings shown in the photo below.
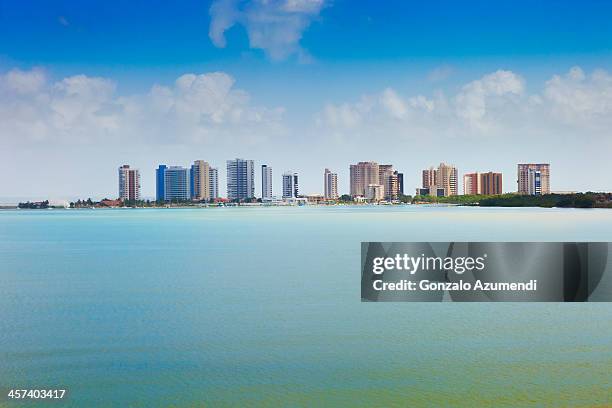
(482, 183)
(440, 181)
(366, 174)
(290, 185)
(471, 184)
(266, 182)
(240, 179)
(375, 192)
(213, 177)
(491, 183)
(533, 178)
(200, 180)
(362, 175)
(172, 183)
(129, 183)
(330, 185)
(160, 182)
(400, 183)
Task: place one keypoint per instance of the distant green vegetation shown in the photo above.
(37, 205)
(576, 200)
(458, 199)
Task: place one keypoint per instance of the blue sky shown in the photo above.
(312, 73)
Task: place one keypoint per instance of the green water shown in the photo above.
(261, 307)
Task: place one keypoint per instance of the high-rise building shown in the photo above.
(330, 185)
(290, 185)
(240, 179)
(471, 184)
(176, 184)
(448, 179)
(129, 183)
(200, 180)
(388, 178)
(160, 182)
(400, 183)
(482, 183)
(429, 178)
(442, 179)
(491, 183)
(534, 178)
(214, 183)
(362, 175)
(266, 181)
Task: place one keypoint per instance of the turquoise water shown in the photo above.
(261, 306)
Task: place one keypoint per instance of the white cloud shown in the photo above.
(475, 98)
(496, 105)
(392, 102)
(274, 26)
(23, 82)
(578, 99)
(197, 108)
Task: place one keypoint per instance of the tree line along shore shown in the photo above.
(573, 200)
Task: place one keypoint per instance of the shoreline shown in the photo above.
(185, 207)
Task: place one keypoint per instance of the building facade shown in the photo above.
(330, 185)
(362, 175)
(213, 177)
(200, 180)
(160, 182)
(443, 178)
(375, 192)
(533, 178)
(471, 184)
(482, 183)
(176, 184)
(240, 179)
(400, 183)
(491, 183)
(266, 182)
(129, 183)
(290, 185)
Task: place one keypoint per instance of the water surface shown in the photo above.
(261, 306)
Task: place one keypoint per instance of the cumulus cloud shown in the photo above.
(576, 98)
(274, 26)
(495, 105)
(83, 109)
(474, 101)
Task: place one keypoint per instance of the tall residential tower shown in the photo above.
(290, 185)
(330, 185)
(266, 182)
(240, 179)
(129, 183)
(533, 178)
(200, 180)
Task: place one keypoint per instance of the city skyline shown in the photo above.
(404, 83)
(369, 180)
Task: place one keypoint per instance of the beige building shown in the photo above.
(201, 180)
(362, 175)
(533, 178)
(375, 192)
(330, 185)
(443, 178)
(389, 179)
